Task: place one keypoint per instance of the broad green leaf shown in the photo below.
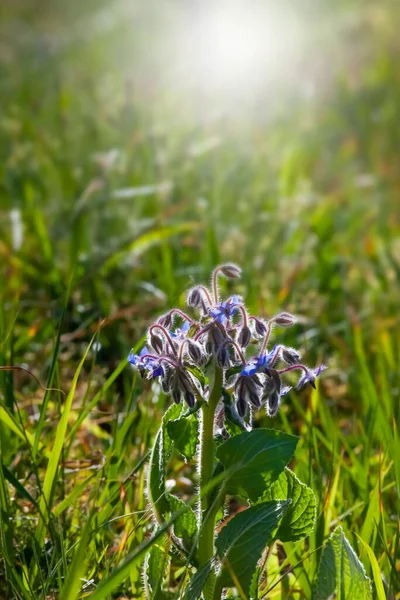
(197, 581)
(255, 459)
(299, 519)
(341, 571)
(241, 542)
(159, 457)
(155, 567)
(185, 525)
(184, 432)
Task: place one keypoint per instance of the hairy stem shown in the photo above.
(207, 451)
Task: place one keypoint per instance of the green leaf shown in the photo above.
(380, 590)
(73, 582)
(255, 459)
(242, 541)
(184, 432)
(185, 525)
(341, 571)
(158, 460)
(18, 486)
(155, 567)
(197, 581)
(299, 519)
(50, 478)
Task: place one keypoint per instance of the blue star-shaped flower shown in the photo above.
(146, 363)
(258, 363)
(225, 310)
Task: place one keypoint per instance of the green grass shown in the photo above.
(302, 192)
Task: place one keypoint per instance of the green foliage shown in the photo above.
(254, 459)
(197, 582)
(185, 525)
(341, 572)
(299, 518)
(240, 543)
(158, 461)
(155, 568)
(184, 432)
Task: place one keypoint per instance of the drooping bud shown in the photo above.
(273, 404)
(284, 319)
(176, 395)
(268, 389)
(260, 327)
(165, 320)
(195, 351)
(156, 343)
(244, 337)
(230, 270)
(254, 397)
(190, 399)
(241, 406)
(222, 357)
(194, 297)
(290, 356)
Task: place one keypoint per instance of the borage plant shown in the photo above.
(218, 369)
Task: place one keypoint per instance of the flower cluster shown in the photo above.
(223, 334)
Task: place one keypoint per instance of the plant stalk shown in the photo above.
(207, 452)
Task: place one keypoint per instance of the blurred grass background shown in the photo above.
(127, 174)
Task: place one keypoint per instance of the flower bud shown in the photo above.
(165, 320)
(290, 356)
(254, 398)
(190, 399)
(176, 395)
(156, 343)
(241, 406)
(260, 327)
(194, 297)
(284, 319)
(222, 357)
(244, 337)
(273, 404)
(268, 389)
(195, 351)
(230, 270)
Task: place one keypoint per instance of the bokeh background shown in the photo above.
(142, 143)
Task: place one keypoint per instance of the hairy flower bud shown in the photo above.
(273, 404)
(241, 406)
(165, 320)
(284, 319)
(222, 357)
(230, 270)
(290, 356)
(194, 297)
(244, 337)
(268, 389)
(260, 327)
(176, 395)
(195, 351)
(190, 399)
(156, 343)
